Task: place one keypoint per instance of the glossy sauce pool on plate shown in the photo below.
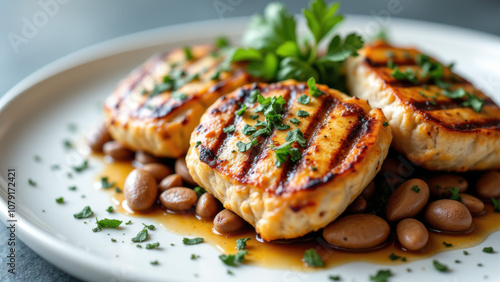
(289, 254)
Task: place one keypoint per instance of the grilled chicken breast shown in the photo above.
(158, 105)
(438, 119)
(341, 144)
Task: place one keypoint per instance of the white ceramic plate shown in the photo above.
(35, 114)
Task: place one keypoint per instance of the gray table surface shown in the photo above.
(73, 25)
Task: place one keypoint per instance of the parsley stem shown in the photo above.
(312, 55)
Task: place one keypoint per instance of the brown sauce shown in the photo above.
(289, 255)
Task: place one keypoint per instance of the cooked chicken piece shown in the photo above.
(158, 105)
(314, 160)
(439, 120)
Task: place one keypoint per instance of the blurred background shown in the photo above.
(35, 33)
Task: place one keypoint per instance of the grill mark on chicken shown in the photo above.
(319, 120)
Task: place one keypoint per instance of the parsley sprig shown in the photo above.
(274, 51)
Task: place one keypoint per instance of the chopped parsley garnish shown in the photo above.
(60, 200)
(81, 167)
(334, 278)
(381, 276)
(194, 256)
(222, 42)
(152, 246)
(285, 150)
(393, 257)
(302, 113)
(179, 96)
(199, 191)
(192, 241)
(390, 63)
(408, 75)
(466, 253)
(243, 147)
(313, 89)
(295, 121)
(110, 209)
(241, 110)
(67, 144)
(234, 260)
(216, 75)
(198, 143)
(476, 103)
(228, 129)
(55, 167)
(312, 258)
(128, 222)
(458, 261)
(439, 266)
(118, 190)
(85, 213)
(274, 52)
(105, 184)
(31, 182)
(248, 129)
(496, 204)
(113, 240)
(141, 236)
(241, 243)
(454, 194)
(155, 262)
(37, 158)
(488, 250)
(447, 245)
(188, 54)
(415, 188)
(385, 124)
(106, 223)
(254, 117)
(229, 272)
(304, 99)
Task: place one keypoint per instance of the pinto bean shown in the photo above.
(474, 205)
(140, 190)
(182, 170)
(412, 234)
(357, 206)
(488, 185)
(407, 200)
(145, 158)
(207, 206)
(97, 135)
(173, 180)
(227, 221)
(159, 171)
(178, 198)
(117, 151)
(448, 215)
(357, 231)
(440, 185)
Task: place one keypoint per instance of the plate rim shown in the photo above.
(44, 243)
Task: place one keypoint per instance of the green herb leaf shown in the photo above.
(188, 53)
(81, 167)
(155, 262)
(408, 75)
(289, 49)
(234, 260)
(321, 19)
(334, 278)
(106, 223)
(312, 258)
(296, 136)
(85, 213)
(192, 241)
(301, 113)
(439, 266)
(241, 110)
(285, 150)
(60, 200)
(313, 89)
(179, 96)
(150, 227)
(496, 204)
(381, 276)
(304, 99)
(488, 250)
(141, 236)
(199, 191)
(339, 50)
(241, 243)
(152, 246)
(31, 182)
(447, 245)
(295, 121)
(198, 143)
(393, 256)
(454, 194)
(105, 184)
(294, 68)
(466, 253)
(254, 94)
(228, 129)
(110, 209)
(222, 42)
(254, 117)
(248, 129)
(243, 147)
(246, 55)
(385, 124)
(266, 68)
(128, 222)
